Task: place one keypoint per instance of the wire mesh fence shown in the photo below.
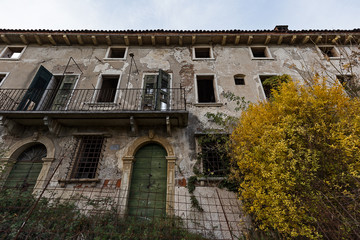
(105, 211)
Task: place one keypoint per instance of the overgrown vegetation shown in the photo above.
(62, 220)
(297, 161)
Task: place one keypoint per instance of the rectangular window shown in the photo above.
(213, 155)
(116, 53)
(266, 85)
(344, 79)
(13, 52)
(260, 53)
(204, 52)
(239, 79)
(329, 51)
(205, 89)
(88, 156)
(2, 77)
(107, 91)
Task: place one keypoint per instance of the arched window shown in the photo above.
(26, 169)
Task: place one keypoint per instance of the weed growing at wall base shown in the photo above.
(60, 219)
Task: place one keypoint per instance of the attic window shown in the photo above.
(116, 53)
(202, 53)
(329, 51)
(2, 77)
(260, 52)
(12, 52)
(239, 79)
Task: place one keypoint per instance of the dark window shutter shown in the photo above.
(162, 96)
(36, 89)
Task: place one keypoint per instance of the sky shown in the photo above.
(179, 14)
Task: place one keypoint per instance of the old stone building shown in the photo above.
(118, 114)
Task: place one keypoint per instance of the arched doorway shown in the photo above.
(147, 197)
(24, 173)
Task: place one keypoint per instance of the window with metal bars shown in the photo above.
(88, 156)
(214, 157)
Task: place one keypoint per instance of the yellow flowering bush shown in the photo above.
(297, 161)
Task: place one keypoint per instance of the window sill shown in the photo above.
(211, 178)
(114, 59)
(200, 59)
(208, 104)
(262, 58)
(9, 59)
(331, 58)
(101, 104)
(93, 181)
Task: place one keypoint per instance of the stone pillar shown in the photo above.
(125, 184)
(6, 165)
(170, 194)
(41, 180)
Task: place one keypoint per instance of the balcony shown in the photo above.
(94, 107)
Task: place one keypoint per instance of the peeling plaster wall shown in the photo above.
(228, 61)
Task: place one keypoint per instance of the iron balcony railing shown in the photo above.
(135, 99)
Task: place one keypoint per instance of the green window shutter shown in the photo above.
(36, 89)
(150, 89)
(63, 94)
(162, 97)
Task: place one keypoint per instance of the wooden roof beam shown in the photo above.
(153, 40)
(23, 39)
(348, 39)
(305, 39)
(293, 39)
(223, 42)
(38, 40)
(193, 40)
(5, 39)
(140, 40)
(250, 38)
(51, 39)
(80, 40)
(237, 39)
(180, 40)
(108, 40)
(94, 40)
(280, 39)
(334, 41)
(267, 39)
(318, 39)
(66, 39)
(126, 40)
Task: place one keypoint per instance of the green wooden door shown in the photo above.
(147, 196)
(26, 170)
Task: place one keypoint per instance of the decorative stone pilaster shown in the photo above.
(125, 183)
(41, 180)
(170, 194)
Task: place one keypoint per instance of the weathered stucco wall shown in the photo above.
(178, 61)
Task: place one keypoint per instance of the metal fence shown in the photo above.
(135, 99)
(82, 211)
